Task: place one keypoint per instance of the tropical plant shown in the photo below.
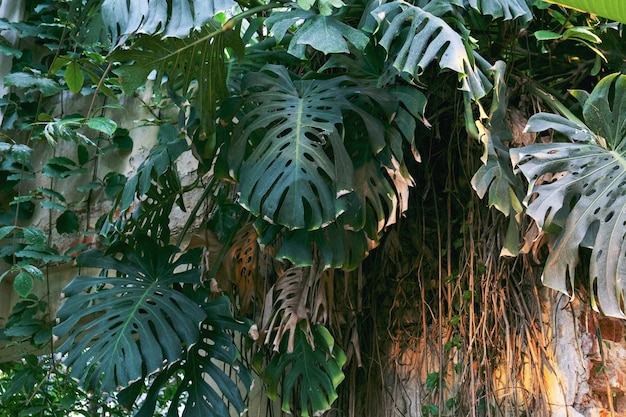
(337, 144)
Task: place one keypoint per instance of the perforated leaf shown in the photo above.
(415, 38)
(288, 154)
(121, 328)
(323, 33)
(212, 379)
(578, 191)
(292, 295)
(310, 376)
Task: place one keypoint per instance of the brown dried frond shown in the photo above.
(290, 301)
(246, 268)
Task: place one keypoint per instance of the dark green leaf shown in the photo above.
(323, 33)
(289, 177)
(416, 38)
(34, 235)
(46, 86)
(214, 378)
(147, 322)
(23, 284)
(82, 154)
(67, 222)
(52, 193)
(6, 230)
(310, 375)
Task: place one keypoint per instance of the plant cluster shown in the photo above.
(319, 129)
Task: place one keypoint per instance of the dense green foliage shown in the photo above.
(312, 125)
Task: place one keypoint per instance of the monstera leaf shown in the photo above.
(323, 33)
(505, 9)
(211, 377)
(288, 154)
(175, 18)
(196, 61)
(577, 191)
(310, 376)
(495, 177)
(121, 328)
(416, 37)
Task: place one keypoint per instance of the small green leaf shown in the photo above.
(122, 140)
(67, 222)
(51, 205)
(59, 62)
(7, 49)
(74, 77)
(102, 124)
(432, 381)
(326, 7)
(68, 400)
(89, 186)
(23, 284)
(5, 231)
(546, 35)
(83, 154)
(21, 153)
(46, 86)
(33, 271)
(51, 193)
(581, 33)
(306, 4)
(114, 183)
(34, 235)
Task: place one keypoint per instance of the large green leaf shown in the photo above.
(211, 377)
(612, 9)
(124, 327)
(288, 154)
(577, 191)
(310, 376)
(415, 38)
(195, 62)
(323, 33)
(505, 9)
(175, 18)
(335, 245)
